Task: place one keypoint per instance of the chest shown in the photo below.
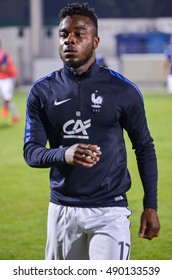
(82, 102)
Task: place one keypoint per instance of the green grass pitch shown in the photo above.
(24, 191)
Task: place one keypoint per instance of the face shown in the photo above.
(77, 42)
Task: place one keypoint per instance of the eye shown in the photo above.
(63, 34)
(79, 34)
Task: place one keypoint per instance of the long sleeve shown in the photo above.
(36, 154)
(137, 128)
(147, 165)
(41, 157)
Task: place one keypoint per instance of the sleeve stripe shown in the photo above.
(121, 77)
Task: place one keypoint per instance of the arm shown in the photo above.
(149, 222)
(35, 139)
(136, 126)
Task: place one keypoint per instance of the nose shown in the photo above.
(70, 39)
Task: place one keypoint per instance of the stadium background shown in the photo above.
(28, 30)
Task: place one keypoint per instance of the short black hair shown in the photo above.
(79, 9)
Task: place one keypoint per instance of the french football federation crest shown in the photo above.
(97, 101)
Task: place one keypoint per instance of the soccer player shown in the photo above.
(168, 65)
(82, 110)
(8, 73)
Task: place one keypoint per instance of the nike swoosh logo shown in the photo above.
(56, 103)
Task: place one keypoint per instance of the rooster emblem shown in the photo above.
(97, 101)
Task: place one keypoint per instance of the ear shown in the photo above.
(96, 42)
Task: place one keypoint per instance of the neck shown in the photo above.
(82, 69)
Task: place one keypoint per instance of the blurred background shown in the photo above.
(133, 36)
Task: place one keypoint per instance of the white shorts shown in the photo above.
(75, 233)
(6, 88)
(169, 83)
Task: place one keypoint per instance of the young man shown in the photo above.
(168, 66)
(82, 110)
(8, 73)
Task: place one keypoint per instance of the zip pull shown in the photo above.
(78, 113)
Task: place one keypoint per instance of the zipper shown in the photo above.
(79, 105)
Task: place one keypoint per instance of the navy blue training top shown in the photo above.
(95, 107)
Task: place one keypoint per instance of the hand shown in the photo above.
(86, 155)
(149, 224)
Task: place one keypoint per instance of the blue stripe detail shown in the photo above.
(28, 121)
(41, 79)
(27, 129)
(121, 77)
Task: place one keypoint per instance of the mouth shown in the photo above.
(69, 53)
(69, 50)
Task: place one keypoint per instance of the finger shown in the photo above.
(91, 155)
(151, 233)
(83, 146)
(86, 156)
(89, 147)
(86, 152)
(86, 159)
(87, 163)
(143, 227)
(142, 232)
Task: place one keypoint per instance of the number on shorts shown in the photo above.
(124, 245)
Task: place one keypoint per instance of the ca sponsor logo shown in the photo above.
(76, 129)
